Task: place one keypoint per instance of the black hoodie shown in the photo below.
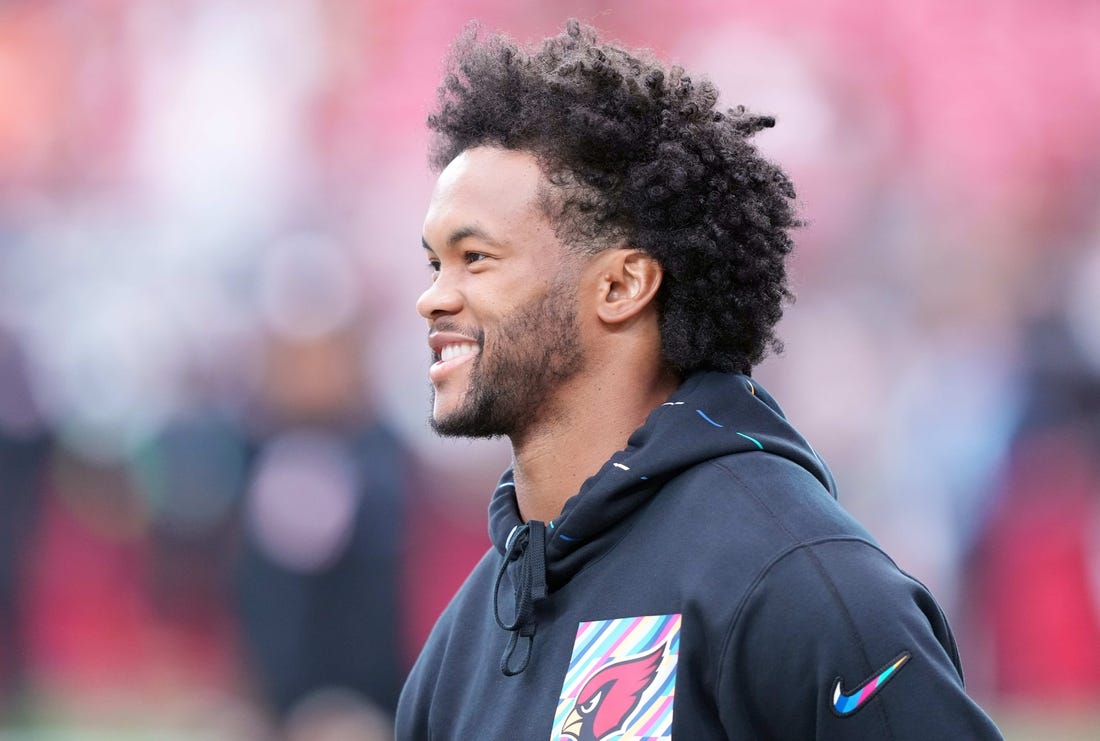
(704, 584)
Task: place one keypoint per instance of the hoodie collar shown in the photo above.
(711, 415)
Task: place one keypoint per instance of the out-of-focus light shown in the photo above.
(308, 287)
(218, 140)
(1083, 307)
(303, 500)
(337, 714)
(104, 368)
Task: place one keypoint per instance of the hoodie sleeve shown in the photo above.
(835, 642)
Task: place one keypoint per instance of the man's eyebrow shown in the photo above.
(460, 234)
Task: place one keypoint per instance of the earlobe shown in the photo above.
(629, 283)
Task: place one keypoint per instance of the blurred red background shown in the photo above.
(221, 512)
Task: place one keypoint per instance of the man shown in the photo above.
(669, 559)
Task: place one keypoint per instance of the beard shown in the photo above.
(529, 356)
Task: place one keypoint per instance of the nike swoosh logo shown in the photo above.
(846, 703)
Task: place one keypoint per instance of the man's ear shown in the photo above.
(629, 280)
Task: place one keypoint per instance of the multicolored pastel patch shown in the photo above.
(621, 679)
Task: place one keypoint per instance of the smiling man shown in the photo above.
(608, 258)
(504, 314)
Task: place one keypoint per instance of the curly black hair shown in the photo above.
(640, 157)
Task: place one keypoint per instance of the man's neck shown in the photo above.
(552, 460)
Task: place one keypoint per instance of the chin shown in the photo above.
(464, 422)
(449, 421)
(445, 409)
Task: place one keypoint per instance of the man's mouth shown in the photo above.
(450, 352)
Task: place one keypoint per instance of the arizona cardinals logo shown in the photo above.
(610, 696)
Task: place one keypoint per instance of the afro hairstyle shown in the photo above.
(637, 155)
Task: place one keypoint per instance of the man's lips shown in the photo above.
(449, 350)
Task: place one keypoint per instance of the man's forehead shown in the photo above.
(491, 171)
(487, 187)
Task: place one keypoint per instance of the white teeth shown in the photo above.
(450, 352)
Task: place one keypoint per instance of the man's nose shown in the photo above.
(441, 298)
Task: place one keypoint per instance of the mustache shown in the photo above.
(449, 325)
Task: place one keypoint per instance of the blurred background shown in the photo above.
(222, 515)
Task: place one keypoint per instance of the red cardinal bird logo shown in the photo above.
(610, 696)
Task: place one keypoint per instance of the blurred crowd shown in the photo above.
(222, 514)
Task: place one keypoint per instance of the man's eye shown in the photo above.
(433, 265)
(472, 257)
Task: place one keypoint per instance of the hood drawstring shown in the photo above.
(526, 544)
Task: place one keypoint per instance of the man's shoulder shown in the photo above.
(763, 493)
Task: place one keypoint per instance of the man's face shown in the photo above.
(502, 307)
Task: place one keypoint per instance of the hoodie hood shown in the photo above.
(710, 416)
